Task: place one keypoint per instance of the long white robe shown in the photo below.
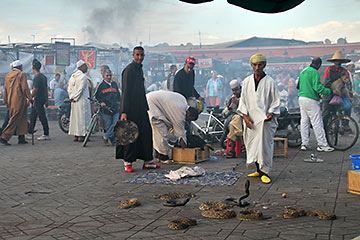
(166, 110)
(80, 109)
(259, 140)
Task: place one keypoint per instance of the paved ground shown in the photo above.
(59, 190)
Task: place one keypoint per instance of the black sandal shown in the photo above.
(176, 202)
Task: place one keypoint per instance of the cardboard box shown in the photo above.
(190, 155)
(354, 181)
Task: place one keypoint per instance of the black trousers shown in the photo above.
(39, 110)
(5, 123)
(6, 120)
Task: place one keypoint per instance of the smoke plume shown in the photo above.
(119, 21)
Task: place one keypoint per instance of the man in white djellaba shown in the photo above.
(80, 105)
(260, 106)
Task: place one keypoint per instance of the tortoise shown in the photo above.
(219, 214)
(250, 215)
(173, 195)
(181, 223)
(211, 205)
(322, 215)
(130, 203)
(291, 212)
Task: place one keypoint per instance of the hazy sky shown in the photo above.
(172, 21)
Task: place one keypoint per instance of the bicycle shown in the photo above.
(209, 125)
(94, 120)
(342, 131)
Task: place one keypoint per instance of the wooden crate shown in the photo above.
(280, 147)
(190, 155)
(354, 181)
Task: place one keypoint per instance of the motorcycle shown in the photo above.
(64, 116)
(289, 126)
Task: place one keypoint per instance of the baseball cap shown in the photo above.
(190, 60)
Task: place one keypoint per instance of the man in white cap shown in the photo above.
(16, 91)
(232, 101)
(259, 106)
(235, 124)
(331, 74)
(80, 105)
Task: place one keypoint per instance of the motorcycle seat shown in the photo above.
(294, 110)
(283, 112)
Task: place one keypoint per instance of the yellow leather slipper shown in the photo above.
(265, 179)
(254, 174)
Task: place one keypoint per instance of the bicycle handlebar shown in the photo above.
(213, 107)
(97, 103)
(94, 101)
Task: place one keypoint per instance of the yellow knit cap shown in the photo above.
(257, 58)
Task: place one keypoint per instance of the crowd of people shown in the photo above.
(17, 96)
(261, 99)
(255, 105)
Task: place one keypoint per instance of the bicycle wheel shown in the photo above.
(199, 127)
(218, 131)
(93, 123)
(342, 133)
(223, 139)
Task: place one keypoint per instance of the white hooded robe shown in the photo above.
(259, 141)
(80, 109)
